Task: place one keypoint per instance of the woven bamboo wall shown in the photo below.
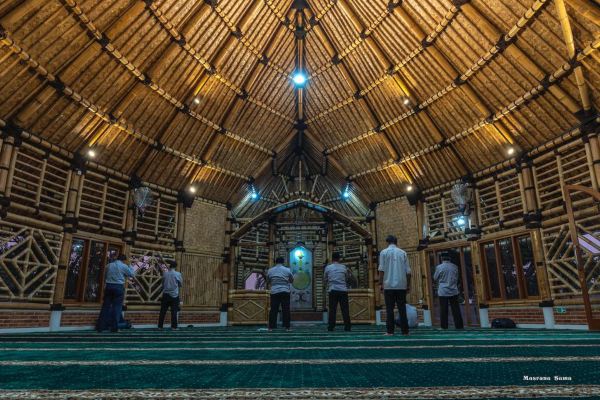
(397, 218)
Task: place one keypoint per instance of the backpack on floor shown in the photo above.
(503, 323)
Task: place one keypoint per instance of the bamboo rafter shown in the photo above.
(119, 123)
(478, 65)
(243, 39)
(107, 46)
(530, 95)
(211, 70)
(435, 33)
(285, 22)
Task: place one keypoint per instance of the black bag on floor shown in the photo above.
(503, 323)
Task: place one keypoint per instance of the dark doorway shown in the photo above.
(461, 256)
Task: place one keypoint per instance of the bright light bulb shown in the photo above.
(461, 221)
(299, 253)
(299, 79)
(254, 195)
(346, 194)
(406, 101)
(409, 188)
(192, 189)
(91, 153)
(510, 151)
(196, 100)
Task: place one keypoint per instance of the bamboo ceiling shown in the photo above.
(190, 91)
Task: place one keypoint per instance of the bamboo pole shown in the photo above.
(593, 149)
(487, 27)
(63, 266)
(563, 17)
(8, 156)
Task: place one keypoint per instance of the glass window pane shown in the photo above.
(74, 269)
(508, 268)
(95, 268)
(528, 263)
(256, 281)
(492, 270)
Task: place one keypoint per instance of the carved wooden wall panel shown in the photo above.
(28, 263)
(249, 307)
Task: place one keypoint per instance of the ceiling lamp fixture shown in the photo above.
(406, 101)
(253, 192)
(511, 151)
(299, 79)
(346, 192)
(196, 100)
(192, 189)
(409, 188)
(460, 221)
(91, 153)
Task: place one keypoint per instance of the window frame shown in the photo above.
(518, 263)
(83, 275)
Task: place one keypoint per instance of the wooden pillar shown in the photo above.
(8, 159)
(228, 264)
(592, 150)
(271, 242)
(423, 243)
(130, 229)
(532, 215)
(180, 222)
(70, 222)
(540, 265)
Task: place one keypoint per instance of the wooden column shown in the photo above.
(540, 265)
(180, 222)
(423, 243)
(8, 158)
(592, 150)
(228, 264)
(70, 222)
(532, 215)
(271, 242)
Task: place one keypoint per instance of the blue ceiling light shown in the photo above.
(299, 79)
(460, 221)
(346, 192)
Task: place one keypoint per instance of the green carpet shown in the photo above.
(248, 363)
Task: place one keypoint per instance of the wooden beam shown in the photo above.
(567, 32)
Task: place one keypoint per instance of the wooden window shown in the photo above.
(509, 268)
(85, 271)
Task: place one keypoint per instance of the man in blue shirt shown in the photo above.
(114, 292)
(172, 281)
(336, 279)
(280, 277)
(446, 275)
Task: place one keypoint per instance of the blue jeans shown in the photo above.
(112, 306)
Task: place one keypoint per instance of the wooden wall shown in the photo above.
(501, 207)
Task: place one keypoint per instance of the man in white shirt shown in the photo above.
(172, 281)
(394, 280)
(446, 275)
(280, 277)
(335, 278)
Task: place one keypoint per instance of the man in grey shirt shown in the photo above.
(172, 281)
(446, 275)
(280, 277)
(336, 280)
(114, 293)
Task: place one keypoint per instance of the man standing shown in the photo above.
(394, 278)
(172, 281)
(280, 277)
(114, 292)
(336, 277)
(446, 276)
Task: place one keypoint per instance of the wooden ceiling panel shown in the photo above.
(182, 91)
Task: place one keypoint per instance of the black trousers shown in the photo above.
(166, 303)
(395, 297)
(335, 297)
(456, 315)
(277, 300)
